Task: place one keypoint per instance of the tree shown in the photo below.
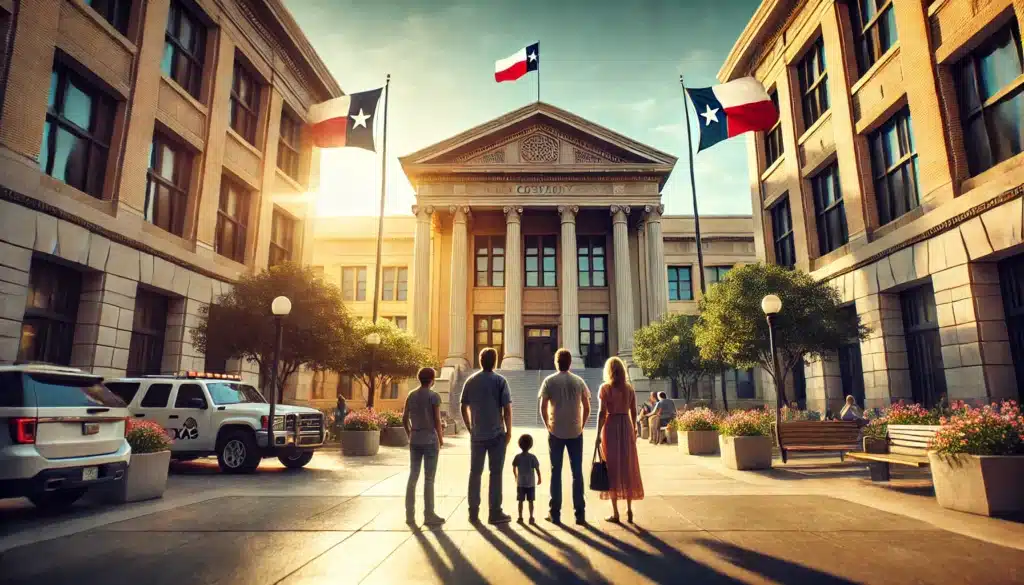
(240, 325)
(398, 356)
(667, 349)
(733, 329)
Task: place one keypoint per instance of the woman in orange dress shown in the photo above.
(618, 439)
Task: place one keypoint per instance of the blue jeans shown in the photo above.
(427, 455)
(494, 450)
(575, 449)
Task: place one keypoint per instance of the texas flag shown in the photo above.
(730, 109)
(519, 64)
(345, 121)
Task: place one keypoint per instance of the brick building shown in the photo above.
(151, 151)
(896, 174)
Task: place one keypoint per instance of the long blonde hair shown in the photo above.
(615, 373)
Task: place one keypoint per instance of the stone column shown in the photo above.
(421, 275)
(457, 294)
(656, 263)
(513, 359)
(623, 282)
(570, 284)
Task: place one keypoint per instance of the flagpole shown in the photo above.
(693, 190)
(383, 190)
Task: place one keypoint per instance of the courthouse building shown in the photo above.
(533, 231)
(150, 153)
(896, 173)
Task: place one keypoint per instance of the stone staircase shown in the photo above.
(524, 385)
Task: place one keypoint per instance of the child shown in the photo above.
(523, 466)
(422, 421)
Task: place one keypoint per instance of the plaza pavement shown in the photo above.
(341, 520)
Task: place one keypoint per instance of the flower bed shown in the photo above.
(360, 433)
(697, 419)
(745, 439)
(392, 432)
(389, 418)
(747, 423)
(146, 477)
(977, 459)
(697, 431)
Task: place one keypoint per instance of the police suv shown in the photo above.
(218, 414)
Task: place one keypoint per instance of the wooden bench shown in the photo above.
(821, 436)
(908, 446)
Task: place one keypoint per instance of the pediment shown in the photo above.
(539, 136)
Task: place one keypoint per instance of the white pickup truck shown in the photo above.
(218, 414)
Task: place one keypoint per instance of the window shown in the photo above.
(116, 12)
(157, 396)
(593, 340)
(894, 167)
(232, 217)
(489, 332)
(170, 168)
(317, 386)
(391, 393)
(6, 27)
(187, 393)
(146, 350)
(400, 321)
(679, 284)
(989, 87)
(782, 233)
(540, 261)
(126, 391)
(799, 377)
(394, 283)
(76, 136)
(813, 83)
(924, 346)
(745, 389)
(874, 30)
(829, 209)
(282, 238)
(590, 254)
(345, 386)
(288, 145)
(715, 274)
(184, 48)
(353, 283)
(48, 328)
(490, 261)
(773, 138)
(245, 103)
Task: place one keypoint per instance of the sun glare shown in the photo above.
(350, 184)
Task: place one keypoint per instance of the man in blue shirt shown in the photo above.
(487, 412)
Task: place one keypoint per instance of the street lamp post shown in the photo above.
(279, 308)
(373, 340)
(771, 305)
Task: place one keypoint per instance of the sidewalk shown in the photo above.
(342, 521)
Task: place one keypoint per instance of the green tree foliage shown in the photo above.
(732, 328)
(398, 356)
(666, 349)
(239, 324)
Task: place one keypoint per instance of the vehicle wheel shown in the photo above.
(238, 453)
(56, 501)
(296, 460)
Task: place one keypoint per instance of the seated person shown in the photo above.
(851, 412)
(645, 411)
(663, 413)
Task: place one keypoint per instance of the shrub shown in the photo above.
(364, 419)
(696, 419)
(146, 436)
(787, 414)
(390, 418)
(910, 414)
(993, 429)
(747, 423)
(876, 429)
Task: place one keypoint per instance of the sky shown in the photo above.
(616, 63)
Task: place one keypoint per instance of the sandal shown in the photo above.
(629, 516)
(613, 520)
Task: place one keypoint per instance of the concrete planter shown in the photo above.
(360, 443)
(989, 485)
(873, 445)
(746, 452)
(145, 479)
(394, 437)
(698, 442)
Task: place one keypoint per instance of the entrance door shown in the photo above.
(541, 343)
(1011, 280)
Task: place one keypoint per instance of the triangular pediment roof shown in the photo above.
(538, 138)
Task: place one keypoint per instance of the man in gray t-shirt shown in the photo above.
(565, 408)
(487, 412)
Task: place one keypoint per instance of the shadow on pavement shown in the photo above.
(461, 571)
(774, 569)
(553, 572)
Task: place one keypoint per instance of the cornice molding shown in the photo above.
(535, 178)
(544, 129)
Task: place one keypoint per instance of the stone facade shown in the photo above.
(946, 263)
(106, 238)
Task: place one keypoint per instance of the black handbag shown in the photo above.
(599, 481)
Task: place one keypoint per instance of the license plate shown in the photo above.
(90, 474)
(90, 428)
